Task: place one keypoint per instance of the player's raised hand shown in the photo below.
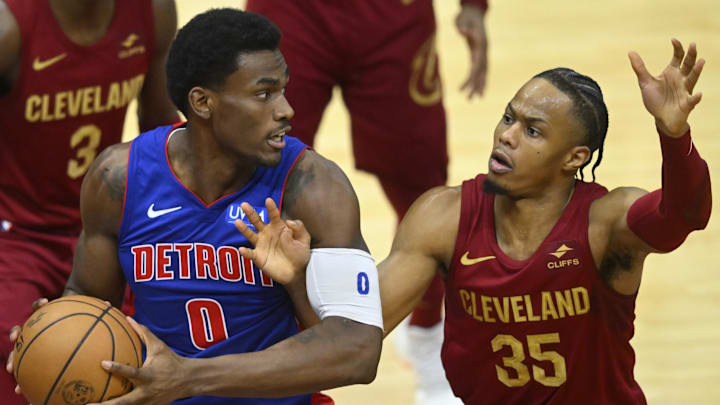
(470, 23)
(161, 380)
(669, 96)
(282, 247)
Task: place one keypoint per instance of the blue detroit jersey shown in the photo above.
(181, 259)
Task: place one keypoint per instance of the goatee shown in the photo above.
(493, 188)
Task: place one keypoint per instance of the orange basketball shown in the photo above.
(57, 356)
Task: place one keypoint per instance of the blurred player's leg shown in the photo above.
(29, 269)
(399, 134)
(310, 59)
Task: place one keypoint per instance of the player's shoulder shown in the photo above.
(108, 172)
(437, 209)
(315, 181)
(615, 203)
(10, 41)
(314, 170)
(440, 199)
(103, 189)
(617, 199)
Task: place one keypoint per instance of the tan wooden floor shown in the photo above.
(677, 339)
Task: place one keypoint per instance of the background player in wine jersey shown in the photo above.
(68, 70)
(382, 55)
(542, 268)
(159, 212)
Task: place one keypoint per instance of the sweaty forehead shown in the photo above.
(539, 98)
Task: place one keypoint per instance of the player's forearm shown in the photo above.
(303, 311)
(665, 217)
(334, 353)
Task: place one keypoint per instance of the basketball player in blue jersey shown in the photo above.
(160, 213)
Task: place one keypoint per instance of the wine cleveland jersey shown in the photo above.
(546, 330)
(180, 256)
(67, 105)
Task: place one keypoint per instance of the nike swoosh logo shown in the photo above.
(468, 262)
(40, 65)
(151, 213)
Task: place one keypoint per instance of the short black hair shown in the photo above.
(206, 50)
(588, 107)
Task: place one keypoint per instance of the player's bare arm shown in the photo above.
(318, 193)
(96, 267)
(154, 105)
(424, 242)
(470, 22)
(9, 49)
(621, 222)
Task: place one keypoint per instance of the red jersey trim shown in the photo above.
(287, 176)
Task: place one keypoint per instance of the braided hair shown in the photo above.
(588, 107)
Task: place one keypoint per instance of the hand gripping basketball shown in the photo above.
(57, 353)
(159, 381)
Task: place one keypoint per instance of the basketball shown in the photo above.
(57, 356)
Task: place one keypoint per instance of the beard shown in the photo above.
(491, 187)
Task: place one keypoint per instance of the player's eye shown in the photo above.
(533, 132)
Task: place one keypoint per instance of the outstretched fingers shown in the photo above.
(694, 75)
(689, 60)
(273, 211)
(678, 53)
(247, 252)
(245, 230)
(639, 67)
(253, 216)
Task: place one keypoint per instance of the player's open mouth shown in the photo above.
(277, 139)
(500, 162)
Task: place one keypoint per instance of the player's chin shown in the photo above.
(271, 159)
(494, 185)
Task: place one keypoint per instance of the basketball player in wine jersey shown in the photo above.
(68, 70)
(542, 268)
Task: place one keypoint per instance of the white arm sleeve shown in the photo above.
(344, 282)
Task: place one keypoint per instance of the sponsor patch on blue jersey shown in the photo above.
(234, 212)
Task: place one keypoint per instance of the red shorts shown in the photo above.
(32, 265)
(382, 55)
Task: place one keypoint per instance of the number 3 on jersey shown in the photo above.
(517, 363)
(206, 321)
(79, 165)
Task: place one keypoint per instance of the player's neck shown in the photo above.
(85, 22)
(205, 169)
(521, 224)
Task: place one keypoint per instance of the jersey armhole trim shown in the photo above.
(287, 176)
(125, 192)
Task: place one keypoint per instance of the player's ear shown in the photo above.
(576, 157)
(200, 102)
